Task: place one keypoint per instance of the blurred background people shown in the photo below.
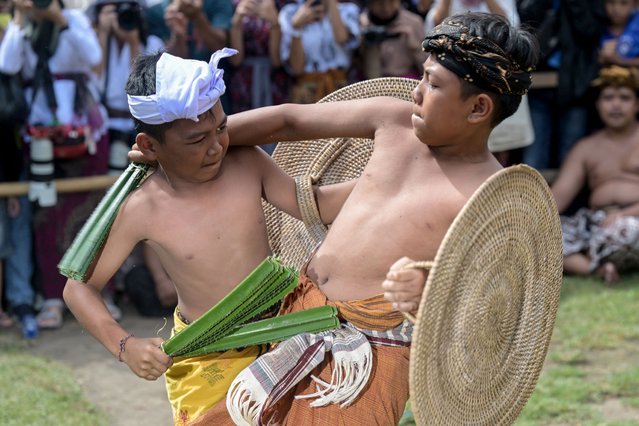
(55, 50)
(123, 35)
(391, 40)
(602, 238)
(441, 9)
(620, 41)
(258, 78)
(318, 39)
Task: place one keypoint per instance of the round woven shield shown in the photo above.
(489, 305)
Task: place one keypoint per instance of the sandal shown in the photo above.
(5, 320)
(50, 315)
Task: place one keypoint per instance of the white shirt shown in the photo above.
(460, 6)
(321, 51)
(77, 52)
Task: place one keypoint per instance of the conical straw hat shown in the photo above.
(489, 305)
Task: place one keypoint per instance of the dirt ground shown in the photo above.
(109, 384)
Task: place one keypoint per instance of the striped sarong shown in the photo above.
(357, 374)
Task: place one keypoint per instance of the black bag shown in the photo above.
(13, 105)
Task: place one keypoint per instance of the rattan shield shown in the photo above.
(489, 306)
(325, 161)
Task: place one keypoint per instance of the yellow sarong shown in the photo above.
(195, 384)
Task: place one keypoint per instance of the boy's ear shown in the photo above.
(482, 109)
(147, 145)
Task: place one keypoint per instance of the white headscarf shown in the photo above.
(184, 88)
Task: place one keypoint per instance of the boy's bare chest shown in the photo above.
(408, 207)
(605, 166)
(195, 228)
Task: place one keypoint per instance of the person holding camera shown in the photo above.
(122, 33)
(391, 42)
(258, 78)
(318, 39)
(191, 29)
(54, 49)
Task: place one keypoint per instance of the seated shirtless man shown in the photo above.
(608, 162)
(429, 157)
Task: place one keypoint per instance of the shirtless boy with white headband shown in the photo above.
(200, 212)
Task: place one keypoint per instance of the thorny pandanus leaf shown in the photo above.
(263, 288)
(274, 329)
(89, 241)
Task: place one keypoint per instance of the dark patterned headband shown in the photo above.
(476, 60)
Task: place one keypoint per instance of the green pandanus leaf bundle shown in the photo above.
(89, 241)
(224, 326)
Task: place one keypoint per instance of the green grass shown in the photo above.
(36, 391)
(590, 358)
(593, 358)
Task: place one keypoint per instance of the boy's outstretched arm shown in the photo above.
(404, 287)
(143, 356)
(291, 122)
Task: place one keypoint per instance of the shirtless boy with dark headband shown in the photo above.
(429, 157)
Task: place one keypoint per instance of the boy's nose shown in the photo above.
(417, 95)
(215, 148)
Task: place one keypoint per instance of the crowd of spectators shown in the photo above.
(73, 64)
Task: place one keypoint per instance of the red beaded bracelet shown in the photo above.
(122, 346)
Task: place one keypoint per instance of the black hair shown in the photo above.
(519, 43)
(141, 82)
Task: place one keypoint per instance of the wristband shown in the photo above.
(123, 346)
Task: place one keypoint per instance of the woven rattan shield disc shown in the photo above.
(489, 305)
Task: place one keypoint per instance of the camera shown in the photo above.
(42, 4)
(129, 16)
(374, 34)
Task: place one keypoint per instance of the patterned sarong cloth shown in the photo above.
(195, 384)
(618, 243)
(355, 375)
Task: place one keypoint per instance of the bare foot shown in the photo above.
(608, 271)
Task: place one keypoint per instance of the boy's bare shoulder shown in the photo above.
(596, 139)
(143, 198)
(245, 156)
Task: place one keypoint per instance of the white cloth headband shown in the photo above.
(184, 88)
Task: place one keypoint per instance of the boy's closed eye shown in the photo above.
(222, 127)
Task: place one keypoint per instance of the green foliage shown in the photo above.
(36, 391)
